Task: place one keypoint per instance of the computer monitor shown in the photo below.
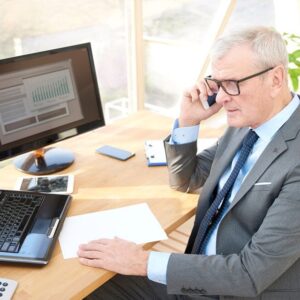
(46, 97)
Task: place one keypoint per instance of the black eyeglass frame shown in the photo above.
(219, 82)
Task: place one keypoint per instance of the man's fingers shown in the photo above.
(187, 93)
(92, 246)
(195, 94)
(101, 241)
(91, 262)
(203, 93)
(90, 254)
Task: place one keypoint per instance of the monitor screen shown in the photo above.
(46, 97)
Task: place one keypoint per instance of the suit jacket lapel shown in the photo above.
(269, 155)
(224, 157)
(278, 145)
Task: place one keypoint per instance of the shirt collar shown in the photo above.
(267, 130)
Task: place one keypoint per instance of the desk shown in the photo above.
(103, 183)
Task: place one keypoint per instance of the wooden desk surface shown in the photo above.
(103, 183)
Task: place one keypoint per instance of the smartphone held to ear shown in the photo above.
(211, 100)
(115, 152)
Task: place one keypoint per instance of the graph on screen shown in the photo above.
(58, 88)
(49, 89)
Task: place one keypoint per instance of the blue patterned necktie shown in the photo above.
(217, 207)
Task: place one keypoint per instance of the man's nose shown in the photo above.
(222, 97)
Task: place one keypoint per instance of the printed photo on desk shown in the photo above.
(61, 184)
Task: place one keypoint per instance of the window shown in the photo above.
(32, 26)
(176, 44)
(175, 38)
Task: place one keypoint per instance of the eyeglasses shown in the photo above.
(230, 87)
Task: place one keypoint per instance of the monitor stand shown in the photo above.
(44, 161)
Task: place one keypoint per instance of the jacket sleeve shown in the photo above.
(188, 170)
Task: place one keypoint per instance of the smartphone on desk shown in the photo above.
(114, 152)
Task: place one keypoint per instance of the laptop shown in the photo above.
(30, 223)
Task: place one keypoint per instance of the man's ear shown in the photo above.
(278, 79)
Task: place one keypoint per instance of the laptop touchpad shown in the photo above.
(35, 245)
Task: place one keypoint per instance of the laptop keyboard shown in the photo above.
(17, 212)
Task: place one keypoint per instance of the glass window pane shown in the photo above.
(169, 70)
(175, 33)
(251, 13)
(179, 20)
(31, 26)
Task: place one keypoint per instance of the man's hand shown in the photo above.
(115, 255)
(192, 111)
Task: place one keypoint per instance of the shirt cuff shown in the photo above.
(157, 266)
(183, 135)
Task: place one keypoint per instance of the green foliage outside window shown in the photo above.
(293, 44)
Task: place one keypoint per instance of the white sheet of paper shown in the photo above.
(135, 223)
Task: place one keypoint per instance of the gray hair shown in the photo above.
(266, 43)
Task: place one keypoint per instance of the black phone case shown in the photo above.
(211, 99)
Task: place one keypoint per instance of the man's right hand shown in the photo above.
(192, 111)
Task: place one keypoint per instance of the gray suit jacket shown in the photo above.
(258, 240)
